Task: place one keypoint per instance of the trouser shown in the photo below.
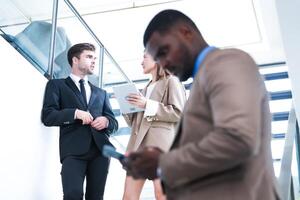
(92, 166)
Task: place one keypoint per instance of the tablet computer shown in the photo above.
(121, 92)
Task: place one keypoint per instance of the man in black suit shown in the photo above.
(84, 115)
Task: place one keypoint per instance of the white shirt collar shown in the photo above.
(87, 87)
(76, 78)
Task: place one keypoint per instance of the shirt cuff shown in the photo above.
(107, 122)
(75, 113)
(151, 108)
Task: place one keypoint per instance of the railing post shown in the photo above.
(101, 59)
(76, 13)
(285, 175)
(292, 191)
(297, 140)
(53, 38)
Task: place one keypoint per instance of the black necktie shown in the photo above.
(82, 90)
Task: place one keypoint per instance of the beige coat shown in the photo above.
(158, 130)
(222, 148)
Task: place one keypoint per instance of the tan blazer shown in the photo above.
(222, 148)
(158, 130)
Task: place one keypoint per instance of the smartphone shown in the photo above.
(109, 151)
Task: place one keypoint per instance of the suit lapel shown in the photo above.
(144, 90)
(72, 85)
(159, 90)
(93, 94)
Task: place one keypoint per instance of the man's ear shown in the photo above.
(186, 32)
(74, 59)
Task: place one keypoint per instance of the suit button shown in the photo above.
(135, 133)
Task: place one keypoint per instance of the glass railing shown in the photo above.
(32, 37)
(276, 84)
(288, 178)
(27, 33)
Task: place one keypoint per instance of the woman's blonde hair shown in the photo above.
(161, 72)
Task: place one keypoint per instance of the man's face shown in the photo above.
(86, 62)
(171, 51)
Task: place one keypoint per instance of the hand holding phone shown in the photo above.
(109, 151)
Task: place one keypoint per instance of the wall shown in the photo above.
(30, 168)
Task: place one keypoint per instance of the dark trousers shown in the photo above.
(92, 166)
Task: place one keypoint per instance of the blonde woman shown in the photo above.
(163, 99)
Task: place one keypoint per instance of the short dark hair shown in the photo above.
(77, 49)
(164, 20)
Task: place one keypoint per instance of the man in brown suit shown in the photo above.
(222, 147)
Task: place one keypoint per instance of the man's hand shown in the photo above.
(143, 164)
(100, 123)
(85, 116)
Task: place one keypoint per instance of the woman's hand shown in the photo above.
(137, 99)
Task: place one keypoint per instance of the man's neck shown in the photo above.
(80, 76)
(78, 73)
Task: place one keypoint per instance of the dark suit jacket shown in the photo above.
(61, 99)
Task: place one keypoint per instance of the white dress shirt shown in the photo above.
(87, 87)
(151, 105)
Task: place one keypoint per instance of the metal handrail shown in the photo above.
(53, 38)
(285, 176)
(117, 65)
(76, 13)
(281, 63)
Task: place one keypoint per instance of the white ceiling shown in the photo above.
(251, 25)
